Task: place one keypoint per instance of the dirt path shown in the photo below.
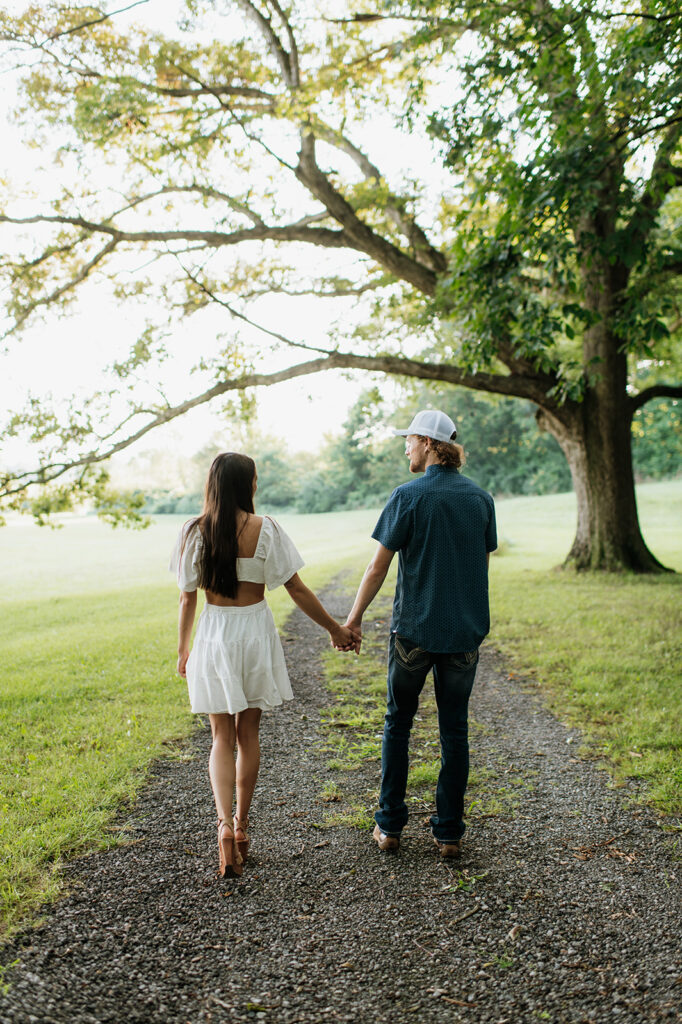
(567, 910)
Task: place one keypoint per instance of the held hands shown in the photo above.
(348, 637)
(355, 626)
(344, 638)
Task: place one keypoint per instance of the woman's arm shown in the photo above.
(309, 603)
(188, 607)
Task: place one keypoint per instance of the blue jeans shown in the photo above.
(408, 666)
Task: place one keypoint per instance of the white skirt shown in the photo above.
(237, 661)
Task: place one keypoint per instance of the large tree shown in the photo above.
(546, 264)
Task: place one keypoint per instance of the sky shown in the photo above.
(65, 356)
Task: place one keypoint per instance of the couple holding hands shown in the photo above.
(442, 525)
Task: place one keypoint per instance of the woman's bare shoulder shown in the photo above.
(249, 536)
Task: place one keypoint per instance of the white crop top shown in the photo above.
(274, 561)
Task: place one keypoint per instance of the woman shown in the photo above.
(236, 669)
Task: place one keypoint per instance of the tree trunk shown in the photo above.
(595, 433)
(598, 449)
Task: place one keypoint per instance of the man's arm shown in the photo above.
(370, 585)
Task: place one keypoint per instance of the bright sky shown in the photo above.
(66, 356)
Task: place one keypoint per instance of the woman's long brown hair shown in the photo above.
(229, 489)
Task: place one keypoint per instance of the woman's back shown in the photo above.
(266, 557)
(248, 591)
(248, 535)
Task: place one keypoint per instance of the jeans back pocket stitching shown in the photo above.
(408, 659)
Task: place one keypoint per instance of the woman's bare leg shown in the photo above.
(221, 768)
(248, 758)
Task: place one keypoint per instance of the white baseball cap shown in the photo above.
(431, 423)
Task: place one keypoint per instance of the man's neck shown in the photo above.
(432, 460)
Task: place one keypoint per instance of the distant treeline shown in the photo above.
(506, 454)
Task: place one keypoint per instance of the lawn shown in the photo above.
(89, 694)
(605, 649)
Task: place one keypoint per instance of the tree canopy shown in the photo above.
(523, 238)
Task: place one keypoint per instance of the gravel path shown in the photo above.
(567, 911)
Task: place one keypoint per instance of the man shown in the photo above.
(443, 526)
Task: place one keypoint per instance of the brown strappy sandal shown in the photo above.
(242, 845)
(231, 863)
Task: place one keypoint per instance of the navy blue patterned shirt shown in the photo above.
(442, 525)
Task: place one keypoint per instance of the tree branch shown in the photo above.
(395, 365)
(203, 190)
(214, 239)
(178, 92)
(360, 234)
(16, 484)
(664, 176)
(293, 48)
(424, 251)
(439, 29)
(57, 293)
(644, 15)
(321, 290)
(671, 266)
(655, 391)
(88, 24)
(245, 319)
(272, 39)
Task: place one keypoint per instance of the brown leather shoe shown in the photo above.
(449, 849)
(383, 841)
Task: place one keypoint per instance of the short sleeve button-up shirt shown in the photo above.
(442, 525)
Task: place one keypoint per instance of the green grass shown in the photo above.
(605, 649)
(89, 694)
(88, 698)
